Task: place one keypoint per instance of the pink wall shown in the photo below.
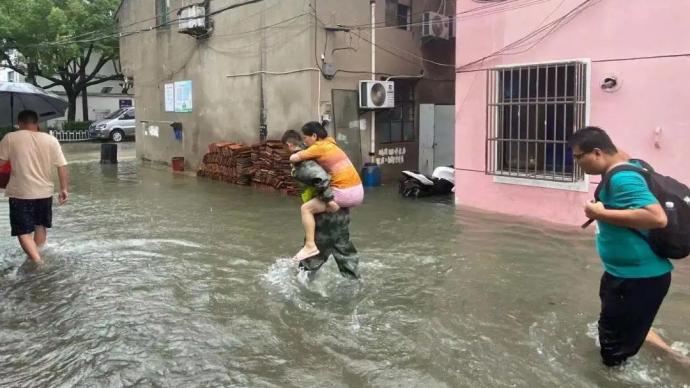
(653, 93)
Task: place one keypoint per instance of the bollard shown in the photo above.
(108, 153)
(178, 164)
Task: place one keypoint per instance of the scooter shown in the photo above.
(416, 185)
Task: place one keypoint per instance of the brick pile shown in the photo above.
(263, 165)
(228, 162)
(272, 167)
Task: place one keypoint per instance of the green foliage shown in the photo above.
(75, 126)
(52, 33)
(4, 131)
(57, 39)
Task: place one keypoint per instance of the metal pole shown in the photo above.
(263, 127)
(373, 71)
(12, 111)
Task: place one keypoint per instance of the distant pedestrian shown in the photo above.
(33, 155)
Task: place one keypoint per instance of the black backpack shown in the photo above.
(673, 241)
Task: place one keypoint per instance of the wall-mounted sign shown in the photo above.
(183, 96)
(169, 97)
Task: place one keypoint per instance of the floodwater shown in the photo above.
(161, 280)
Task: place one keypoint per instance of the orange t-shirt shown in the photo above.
(335, 161)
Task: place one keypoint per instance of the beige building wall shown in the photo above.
(222, 67)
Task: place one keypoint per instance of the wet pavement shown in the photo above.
(163, 280)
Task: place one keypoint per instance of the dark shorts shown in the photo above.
(26, 214)
(628, 308)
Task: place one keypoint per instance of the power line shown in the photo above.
(316, 60)
(233, 50)
(63, 41)
(640, 58)
(552, 29)
(605, 60)
(272, 72)
(122, 34)
(406, 52)
(516, 44)
(156, 17)
(554, 24)
(454, 19)
(265, 27)
(474, 12)
(168, 13)
(126, 34)
(477, 10)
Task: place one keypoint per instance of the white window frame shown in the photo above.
(581, 185)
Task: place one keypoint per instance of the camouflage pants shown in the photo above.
(333, 239)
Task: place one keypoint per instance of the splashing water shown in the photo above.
(155, 279)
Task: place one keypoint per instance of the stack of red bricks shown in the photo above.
(260, 165)
(272, 167)
(228, 162)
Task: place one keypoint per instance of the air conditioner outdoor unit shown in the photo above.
(376, 94)
(435, 25)
(192, 20)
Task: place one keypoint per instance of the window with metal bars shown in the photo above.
(398, 14)
(162, 10)
(531, 112)
(396, 125)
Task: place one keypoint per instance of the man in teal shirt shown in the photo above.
(635, 279)
(623, 252)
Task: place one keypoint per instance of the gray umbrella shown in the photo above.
(18, 96)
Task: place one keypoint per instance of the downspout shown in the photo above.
(263, 127)
(318, 89)
(373, 73)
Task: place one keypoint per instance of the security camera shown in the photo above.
(610, 83)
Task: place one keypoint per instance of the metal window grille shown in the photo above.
(162, 9)
(531, 112)
(403, 17)
(396, 125)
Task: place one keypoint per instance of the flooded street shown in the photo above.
(162, 280)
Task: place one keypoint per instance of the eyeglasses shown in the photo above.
(580, 155)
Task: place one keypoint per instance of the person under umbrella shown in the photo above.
(33, 155)
(19, 96)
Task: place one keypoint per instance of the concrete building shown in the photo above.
(544, 69)
(300, 60)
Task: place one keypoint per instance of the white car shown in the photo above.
(116, 126)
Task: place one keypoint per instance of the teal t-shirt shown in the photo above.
(624, 253)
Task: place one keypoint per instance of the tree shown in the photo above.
(67, 42)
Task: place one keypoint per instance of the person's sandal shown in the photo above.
(302, 255)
